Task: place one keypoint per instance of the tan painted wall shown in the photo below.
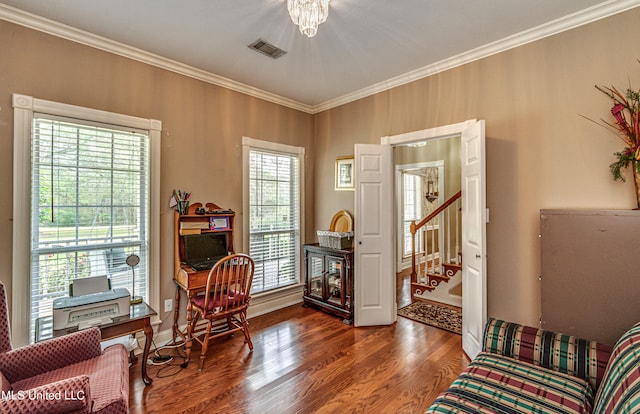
(202, 125)
(540, 152)
(440, 149)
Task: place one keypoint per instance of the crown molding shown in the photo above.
(580, 18)
(586, 16)
(54, 28)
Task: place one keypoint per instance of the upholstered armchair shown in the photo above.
(65, 374)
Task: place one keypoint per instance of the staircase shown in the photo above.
(439, 258)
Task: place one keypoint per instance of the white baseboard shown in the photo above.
(272, 301)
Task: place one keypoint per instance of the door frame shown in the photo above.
(448, 131)
(378, 166)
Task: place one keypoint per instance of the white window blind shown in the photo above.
(412, 194)
(90, 207)
(274, 218)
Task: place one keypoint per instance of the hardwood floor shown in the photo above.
(306, 361)
(403, 288)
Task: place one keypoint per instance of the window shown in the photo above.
(412, 194)
(90, 207)
(273, 210)
(90, 191)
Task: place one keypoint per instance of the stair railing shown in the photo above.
(414, 228)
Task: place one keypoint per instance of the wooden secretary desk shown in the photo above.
(215, 220)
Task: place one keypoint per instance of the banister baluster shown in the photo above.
(447, 247)
(443, 212)
(412, 228)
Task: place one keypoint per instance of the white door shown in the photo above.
(474, 282)
(374, 279)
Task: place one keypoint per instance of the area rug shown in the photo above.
(434, 314)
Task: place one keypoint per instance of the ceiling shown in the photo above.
(364, 46)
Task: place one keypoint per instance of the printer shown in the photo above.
(90, 309)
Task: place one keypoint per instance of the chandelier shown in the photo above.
(308, 14)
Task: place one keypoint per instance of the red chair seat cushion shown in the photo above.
(216, 303)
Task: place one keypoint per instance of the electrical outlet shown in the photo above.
(168, 305)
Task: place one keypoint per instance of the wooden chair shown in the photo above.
(226, 297)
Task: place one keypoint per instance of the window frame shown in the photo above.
(24, 108)
(417, 210)
(249, 144)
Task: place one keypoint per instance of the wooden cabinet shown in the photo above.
(329, 280)
(589, 272)
(216, 221)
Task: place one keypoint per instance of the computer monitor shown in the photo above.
(205, 246)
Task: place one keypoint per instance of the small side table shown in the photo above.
(139, 319)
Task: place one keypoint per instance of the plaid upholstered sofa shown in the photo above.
(68, 374)
(527, 370)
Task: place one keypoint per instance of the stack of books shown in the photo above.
(193, 227)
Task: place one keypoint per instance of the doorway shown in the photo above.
(374, 187)
(427, 173)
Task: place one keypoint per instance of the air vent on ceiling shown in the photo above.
(267, 48)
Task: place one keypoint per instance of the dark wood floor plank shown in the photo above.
(306, 361)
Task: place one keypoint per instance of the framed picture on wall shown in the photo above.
(344, 173)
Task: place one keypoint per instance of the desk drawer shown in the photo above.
(190, 280)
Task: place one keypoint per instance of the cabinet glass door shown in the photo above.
(335, 273)
(315, 272)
